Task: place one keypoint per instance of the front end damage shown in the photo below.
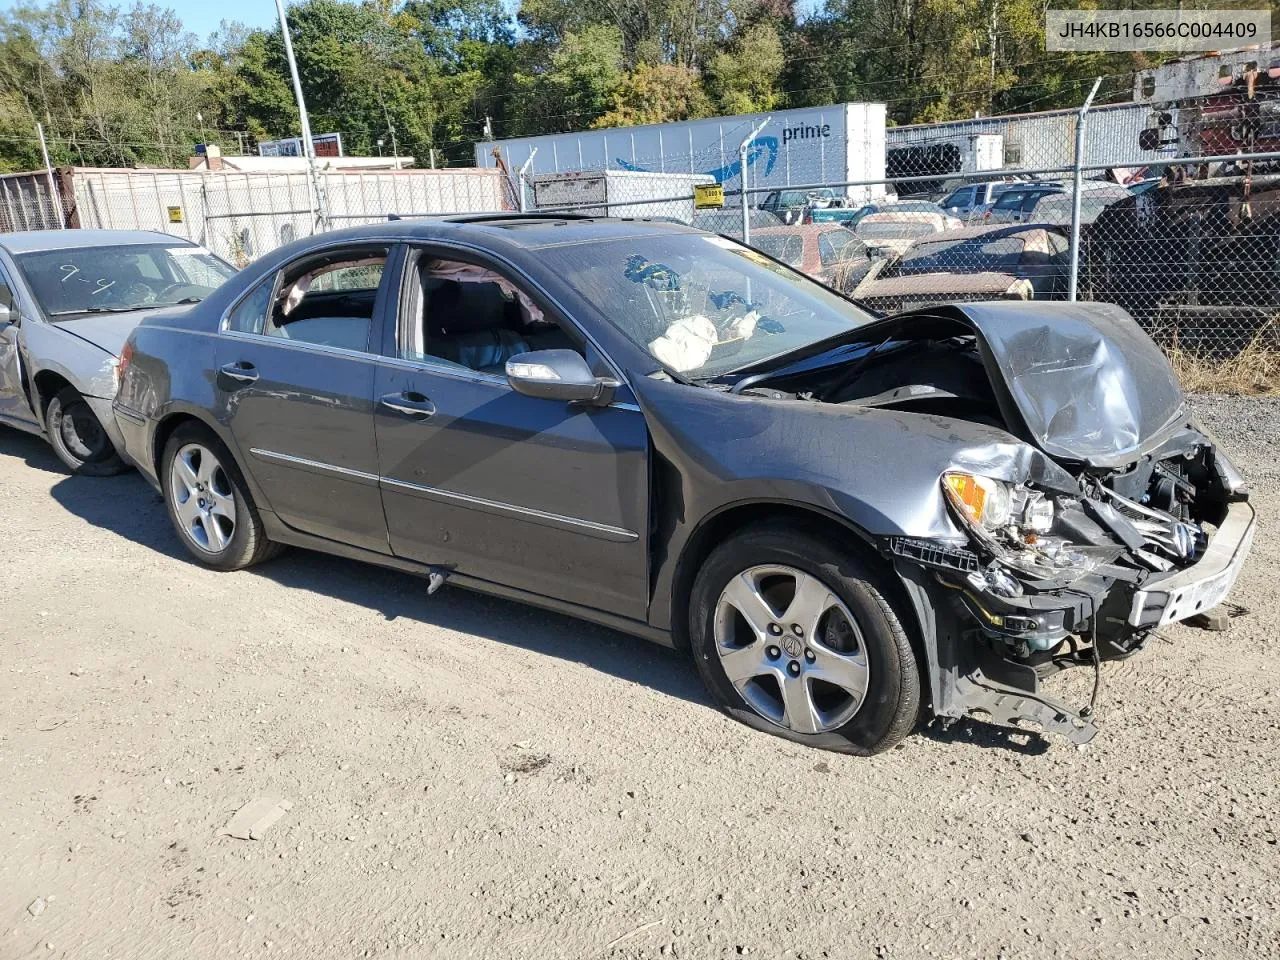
(1115, 515)
(1051, 579)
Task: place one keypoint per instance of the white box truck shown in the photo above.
(618, 193)
(839, 144)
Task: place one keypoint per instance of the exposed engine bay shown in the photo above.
(1067, 564)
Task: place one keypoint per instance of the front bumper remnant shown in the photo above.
(1203, 585)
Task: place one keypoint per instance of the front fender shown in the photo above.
(877, 472)
(85, 366)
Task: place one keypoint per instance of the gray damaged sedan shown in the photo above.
(68, 300)
(854, 524)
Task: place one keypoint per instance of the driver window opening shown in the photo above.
(329, 300)
(473, 317)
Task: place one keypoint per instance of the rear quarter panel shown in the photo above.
(170, 373)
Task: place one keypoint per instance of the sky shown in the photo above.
(202, 17)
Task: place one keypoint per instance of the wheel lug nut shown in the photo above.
(808, 655)
(774, 653)
(797, 630)
(793, 668)
(775, 629)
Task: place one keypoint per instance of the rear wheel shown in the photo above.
(793, 636)
(78, 438)
(209, 503)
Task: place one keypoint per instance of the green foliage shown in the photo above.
(116, 85)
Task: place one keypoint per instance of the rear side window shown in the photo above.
(250, 313)
(328, 300)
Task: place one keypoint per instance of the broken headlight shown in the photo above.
(1014, 521)
(992, 505)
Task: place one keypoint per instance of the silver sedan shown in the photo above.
(68, 301)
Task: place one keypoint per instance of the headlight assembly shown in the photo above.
(992, 505)
(1014, 522)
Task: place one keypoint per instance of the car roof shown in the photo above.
(32, 241)
(528, 230)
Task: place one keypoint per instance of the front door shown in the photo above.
(534, 494)
(295, 376)
(14, 407)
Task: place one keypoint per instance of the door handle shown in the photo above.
(409, 403)
(240, 370)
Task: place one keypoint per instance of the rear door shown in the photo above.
(295, 374)
(535, 494)
(14, 407)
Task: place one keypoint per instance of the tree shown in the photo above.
(656, 94)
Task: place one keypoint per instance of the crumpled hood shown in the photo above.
(1089, 384)
(109, 331)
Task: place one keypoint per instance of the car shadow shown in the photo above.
(969, 731)
(127, 506)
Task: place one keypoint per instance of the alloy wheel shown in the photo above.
(203, 499)
(791, 648)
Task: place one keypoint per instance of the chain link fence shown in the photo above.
(1187, 241)
(1188, 244)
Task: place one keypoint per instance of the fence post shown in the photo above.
(520, 179)
(742, 175)
(1073, 277)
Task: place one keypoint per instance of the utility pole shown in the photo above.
(54, 197)
(308, 147)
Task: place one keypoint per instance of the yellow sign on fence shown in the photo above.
(175, 214)
(708, 196)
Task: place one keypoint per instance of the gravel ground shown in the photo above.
(472, 778)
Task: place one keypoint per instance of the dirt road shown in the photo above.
(471, 778)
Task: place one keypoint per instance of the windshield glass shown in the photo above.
(998, 254)
(125, 277)
(702, 305)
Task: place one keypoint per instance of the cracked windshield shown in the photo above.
(704, 306)
(121, 278)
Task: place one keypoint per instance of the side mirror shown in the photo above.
(558, 375)
(7, 314)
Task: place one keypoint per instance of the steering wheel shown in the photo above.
(134, 292)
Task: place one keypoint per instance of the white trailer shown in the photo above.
(840, 144)
(618, 193)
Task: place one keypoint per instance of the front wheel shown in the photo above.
(78, 438)
(793, 636)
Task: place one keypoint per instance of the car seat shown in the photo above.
(473, 324)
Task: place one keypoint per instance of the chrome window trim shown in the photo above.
(302, 345)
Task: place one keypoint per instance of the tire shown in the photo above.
(209, 503)
(78, 437)
(855, 687)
